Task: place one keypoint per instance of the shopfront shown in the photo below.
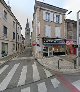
(69, 46)
(54, 46)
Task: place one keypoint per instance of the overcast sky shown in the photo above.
(24, 9)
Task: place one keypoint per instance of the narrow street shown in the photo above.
(25, 74)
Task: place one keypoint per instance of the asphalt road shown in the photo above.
(25, 74)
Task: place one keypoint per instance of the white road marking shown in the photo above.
(36, 76)
(1, 70)
(8, 78)
(23, 76)
(77, 84)
(42, 87)
(55, 82)
(48, 74)
(25, 89)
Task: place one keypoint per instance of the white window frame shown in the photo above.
(47, 16)
(57, 18)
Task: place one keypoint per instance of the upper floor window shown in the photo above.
(13, 24)
(5, 14)
(18, 37)
(13, 35)
(47, 16)
(58, 32)
(48, 31)
(5, 31)
(57, 18)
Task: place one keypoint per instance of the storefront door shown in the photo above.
(50, 51)
(4, 49)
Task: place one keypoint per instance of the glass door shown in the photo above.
(50, 51)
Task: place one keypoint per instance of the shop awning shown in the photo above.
(53, 44)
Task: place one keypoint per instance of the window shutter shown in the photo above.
(51, 17)
(60, 18)
(57, 32)
(55, 18)
(44, 15)
(47, 31)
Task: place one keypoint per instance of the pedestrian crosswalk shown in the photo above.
(36, 76)
(22, 75)
(48, 74)
(25, 89)
(6, 81)
(3, 68)
(41, 86)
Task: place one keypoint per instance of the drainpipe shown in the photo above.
(16, 36)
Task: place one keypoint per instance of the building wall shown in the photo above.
(10, 29)
(71, 28)
(52, 24)
(39, 31)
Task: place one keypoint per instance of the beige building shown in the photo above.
(10, 31)
(48, 29)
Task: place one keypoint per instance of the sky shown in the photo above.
(24, 9)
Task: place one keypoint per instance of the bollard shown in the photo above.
(74, 64)
(58, 64)
(59, 61)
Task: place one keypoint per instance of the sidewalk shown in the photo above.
(8, 58)
(64, 65)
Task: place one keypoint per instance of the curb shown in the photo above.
(59, 70)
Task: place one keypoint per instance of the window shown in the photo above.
(13, 35)
(70, 34)
(13, 46)
(18, 37)
(13, 24)
(57, 32)
(4, 49)
(57, 18)
(5, 31)
(5, 14)
(47, 16)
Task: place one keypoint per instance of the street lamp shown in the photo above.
(69, 12)
(78, 37)
(66, 24)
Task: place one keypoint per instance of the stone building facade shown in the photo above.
(71, 29)
(48, 28)
(10, 31)
(27, 34)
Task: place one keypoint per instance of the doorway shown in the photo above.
(50, 51)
